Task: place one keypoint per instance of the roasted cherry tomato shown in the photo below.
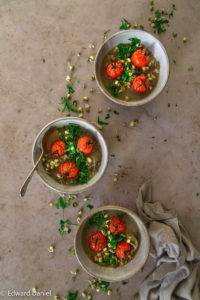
(122, 250)
(85, 144)
(97, 241)
(58, 148)
(116, 226)
(140, 84)
(115, 69)
(69, 169)
(139, 59)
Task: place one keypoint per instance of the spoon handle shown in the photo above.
(28, 179)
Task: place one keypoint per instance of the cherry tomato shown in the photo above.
(58, 148)
(116, 226)
(122, 250)
(139, 59)
(115, 69)
(140, 84)
(69, 169)
(97, 241)
(85, 144)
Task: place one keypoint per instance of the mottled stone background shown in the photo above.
(36, 37)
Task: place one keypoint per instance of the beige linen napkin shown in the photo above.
(176, 275)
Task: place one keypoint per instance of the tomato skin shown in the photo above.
(58, 149)
(116, 226)
(97, 241)
(140, 84)
(85, 144)
(114, 70)
(122, 250)
(139, 59)
(69, 168)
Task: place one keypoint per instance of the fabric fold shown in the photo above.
(176, 275)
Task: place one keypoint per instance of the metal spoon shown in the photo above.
(43, 148)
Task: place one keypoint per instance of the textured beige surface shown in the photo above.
(30, 90)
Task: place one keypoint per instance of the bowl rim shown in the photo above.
(137, 220)
(83, 187)
(138, 102)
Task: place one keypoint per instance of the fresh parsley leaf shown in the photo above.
(113, 240)
(70, 88)
(124, 51)
(66, 100)
(114, 89)
(190, 68)
(100, 122)
(159, 22)
(124, 25)
(98, 219)
(67, 105)
(84, 172)
(103, 285)
(62, 202)
(74, 131)
(90, 206)
(72, 295)
(64, 226)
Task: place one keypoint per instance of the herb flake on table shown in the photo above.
(72, 295)
(67, 99)
(63, 202)
(100, 122)
(124, 25)
(64, 226)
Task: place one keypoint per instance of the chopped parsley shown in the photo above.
(64, 226)
(100, 122)
(124, 25)
(124, 51)
(63, 202)
(72, 295)
(66, 100)
(73, 154)
(160, 19)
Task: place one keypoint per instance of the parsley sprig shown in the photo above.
(67, 99)
(124, 51)
(72, 295)
(73, 154)
(124, 25)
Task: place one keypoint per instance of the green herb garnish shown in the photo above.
(159, 22)
(113, 239)
(66, 100)
(98, 219)
(114, 89)
(90, 206)
(103, 285)
(100, 122)
(73, 154)
(63, 202)
(64, 226)
(124, 51)
(124, 25)
(190, 68)
(72, 295)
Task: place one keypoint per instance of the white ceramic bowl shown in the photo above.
(48, 180)
(149, 41)
(109, 273)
